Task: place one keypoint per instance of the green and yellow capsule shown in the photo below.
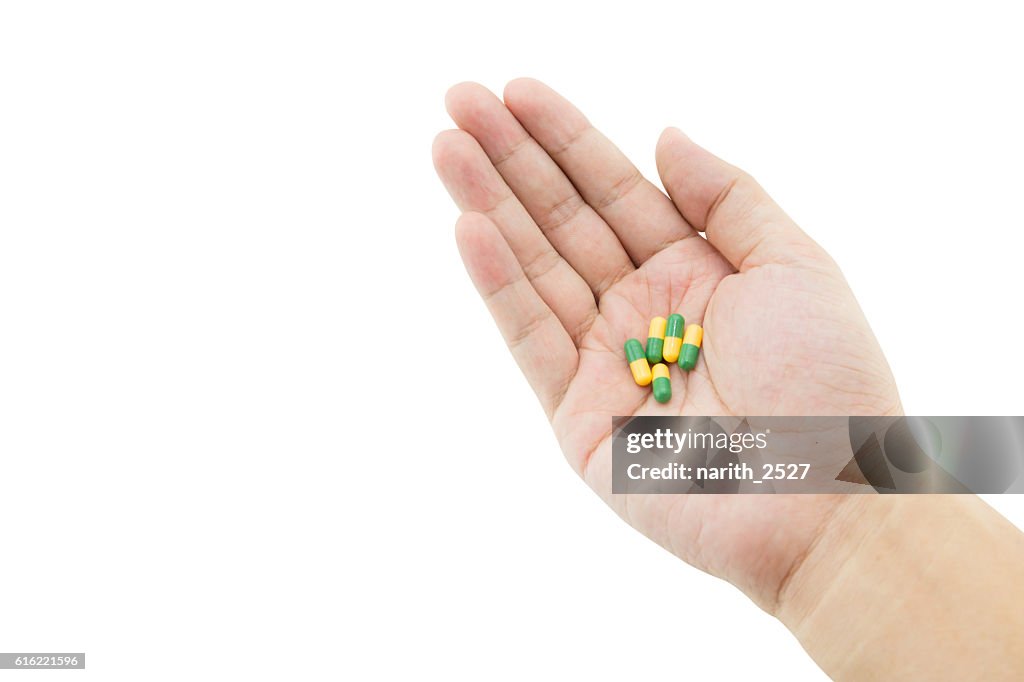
(655, 340)
(662, 383)
(638, 363)
(691, 347)
(673, 338)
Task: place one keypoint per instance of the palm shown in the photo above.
(570, 278)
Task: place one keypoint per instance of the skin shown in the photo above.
(574, 252)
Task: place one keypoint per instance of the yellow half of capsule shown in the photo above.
(671, 350)
(694, 335)
(641, 371)
(661, 371)
(657, 328)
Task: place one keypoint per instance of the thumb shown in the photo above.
(738, 216)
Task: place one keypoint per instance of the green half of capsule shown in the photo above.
(662, 384)
(675, 326)
(634, 351)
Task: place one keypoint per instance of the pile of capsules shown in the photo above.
(666, 342)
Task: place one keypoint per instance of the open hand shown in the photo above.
(574, 252)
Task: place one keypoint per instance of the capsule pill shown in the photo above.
(655, 340)
(662, 383)
(691, 347)
(638, 363)
(673, 338)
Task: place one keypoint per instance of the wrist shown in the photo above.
(874, 594)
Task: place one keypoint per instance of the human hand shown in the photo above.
(574, 252)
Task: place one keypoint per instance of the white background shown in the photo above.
(254, 421)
